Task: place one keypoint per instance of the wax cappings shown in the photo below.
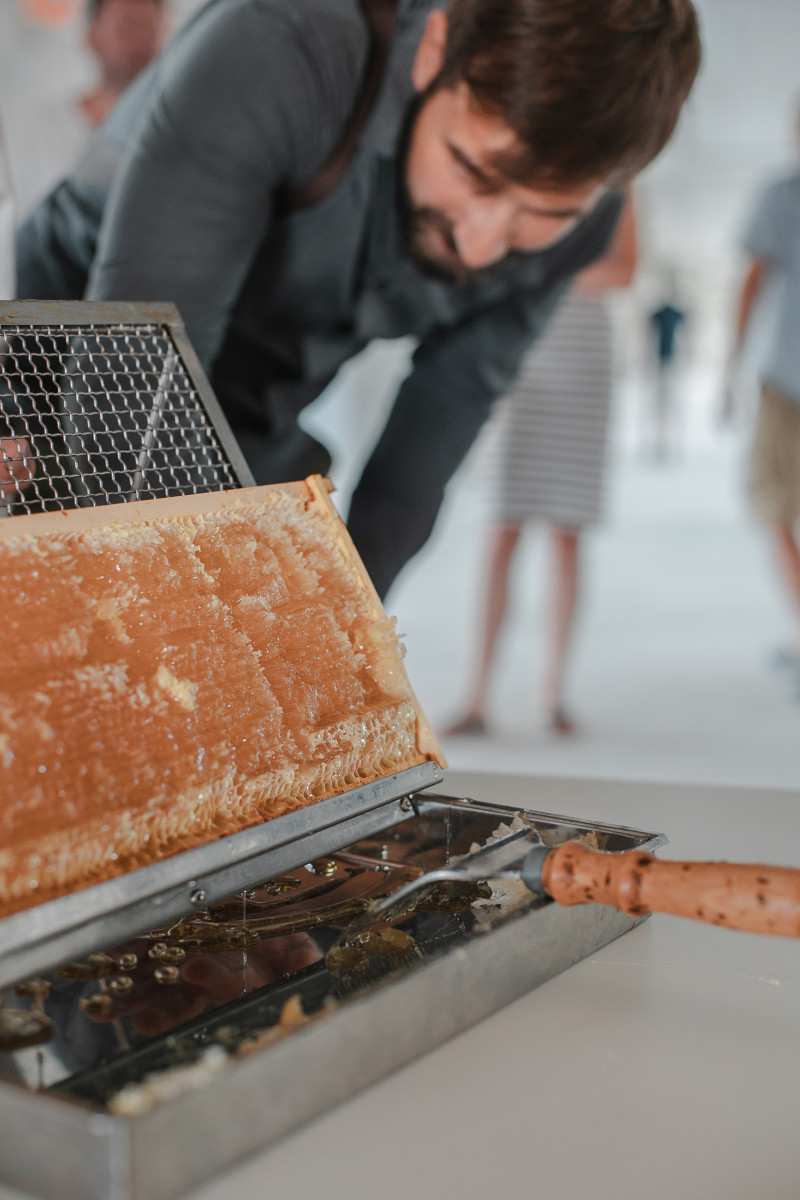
(169, 681)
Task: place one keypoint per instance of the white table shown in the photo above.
(667, 1066)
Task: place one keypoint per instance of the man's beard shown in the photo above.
(421, 225)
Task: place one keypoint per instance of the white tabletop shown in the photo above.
(666, 1066)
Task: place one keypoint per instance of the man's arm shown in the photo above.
(769, 237)
(753, 282)
(436, 417)
(765, 243)
(252, 98)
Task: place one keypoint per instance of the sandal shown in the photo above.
(558, 722)
(471, 725)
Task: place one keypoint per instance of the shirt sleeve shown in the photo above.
(769, 234)
(252, 98)
(436, 417)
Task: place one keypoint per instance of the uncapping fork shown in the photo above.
(746, 896)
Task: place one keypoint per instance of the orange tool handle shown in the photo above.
(755, 898)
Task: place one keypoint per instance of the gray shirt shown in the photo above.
(774, 238)
(249, 100)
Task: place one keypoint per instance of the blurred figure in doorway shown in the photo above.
(552, 434)
(47, 133)
(665, 322)
(772, 284)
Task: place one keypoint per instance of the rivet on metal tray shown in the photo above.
(407, 804)
(198, 896)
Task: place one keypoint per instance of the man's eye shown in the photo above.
(481, 184)
(480, 181)
(486, 187)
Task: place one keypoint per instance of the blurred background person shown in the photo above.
(665, 323)
(551, 446)
(48, 121)
(772, 287)
(124, 36)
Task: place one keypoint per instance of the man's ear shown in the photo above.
(430, 52)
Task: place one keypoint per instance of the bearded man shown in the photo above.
(302, 176)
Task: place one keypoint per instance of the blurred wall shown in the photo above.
(737, 128)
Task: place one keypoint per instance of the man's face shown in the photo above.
(462, 215)
(126, 35)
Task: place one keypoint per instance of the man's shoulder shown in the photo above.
(344, 14)
(341, 20)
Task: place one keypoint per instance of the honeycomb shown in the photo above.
(178, 670)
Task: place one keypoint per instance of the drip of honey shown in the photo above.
(36, 990)
(20, 1028)
(96, 966)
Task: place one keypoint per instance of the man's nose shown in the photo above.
(482, 234)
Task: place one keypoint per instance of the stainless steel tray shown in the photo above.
(63, 1141)
(110, 912)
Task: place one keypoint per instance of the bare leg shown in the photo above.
(503, 543)
(566, 548)
(663, 404)
(789, 563)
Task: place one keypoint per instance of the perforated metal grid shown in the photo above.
(101, 414)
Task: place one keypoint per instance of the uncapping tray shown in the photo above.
(461, 972)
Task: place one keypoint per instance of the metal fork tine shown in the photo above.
(493, 861)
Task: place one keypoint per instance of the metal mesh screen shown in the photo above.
(101, 414)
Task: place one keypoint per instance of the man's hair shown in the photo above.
(592, 88)
(93, 8)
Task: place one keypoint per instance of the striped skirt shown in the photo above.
(549, 434)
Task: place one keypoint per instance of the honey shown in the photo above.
(20, 1028)
(121, 985)
(96, 966)
(175, 671)
(167, 975)
(98, 1004)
